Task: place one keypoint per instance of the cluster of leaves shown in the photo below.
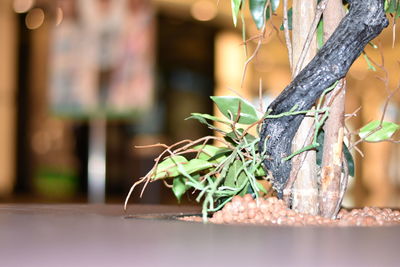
(231, 166)
(219, 168)
(234, 166)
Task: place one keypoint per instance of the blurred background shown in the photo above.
(84, 81)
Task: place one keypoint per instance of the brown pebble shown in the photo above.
(251, 205)
(248, 198)
(251, 214)
(237, 200)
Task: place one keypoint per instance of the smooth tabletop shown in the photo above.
(103, 235)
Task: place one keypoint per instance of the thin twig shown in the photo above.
(235, 92)
(318, 13)
(343, 185)
(276, 29)
(287, 34)
(243, 28)
(131, 190)
(260, 96)
(394, 29)
(259, 43)
(353, 114)
(359, 151)
(252, 38)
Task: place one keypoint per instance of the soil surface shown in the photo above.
(272, 211)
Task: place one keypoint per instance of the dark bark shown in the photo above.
(365, 20)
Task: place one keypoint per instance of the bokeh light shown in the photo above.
(22, 6)
(59, 16)
(203, 10)
(34, 19)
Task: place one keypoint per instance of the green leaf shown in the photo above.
(275, 4)
(391, 6)
(235, 176)
(320, 152)
(260, 172)
(221, 155)
(388, 129)
(204, 117)
(245, 190)
(235, 10)
(168, 167)
(349, 159)
(257, 12)
(211, 153)
(369, 63)
(179, 187)
(261, 187)
(290, 19)
(320, 34)
(229, 106)
(398, 10)
(206, 151)
(196, 165)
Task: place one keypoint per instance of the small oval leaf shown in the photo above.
(179, 187)
(245, 190)
(275, 4)
(235, 176)
(349, 159)
(196, 165)
(168, 167)
(206, 151)
(260, 172)
(230, 105)
(257, 12)
(261, 187)
(210, 153)
(204, 117)
(320, 34)
(385, 133)
(221, 155)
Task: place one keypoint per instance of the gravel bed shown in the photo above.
(272, 211)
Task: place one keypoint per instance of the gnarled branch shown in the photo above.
(365, 20)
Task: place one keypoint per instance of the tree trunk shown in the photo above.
(304, 193)
(331, 169)
(365, 20)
